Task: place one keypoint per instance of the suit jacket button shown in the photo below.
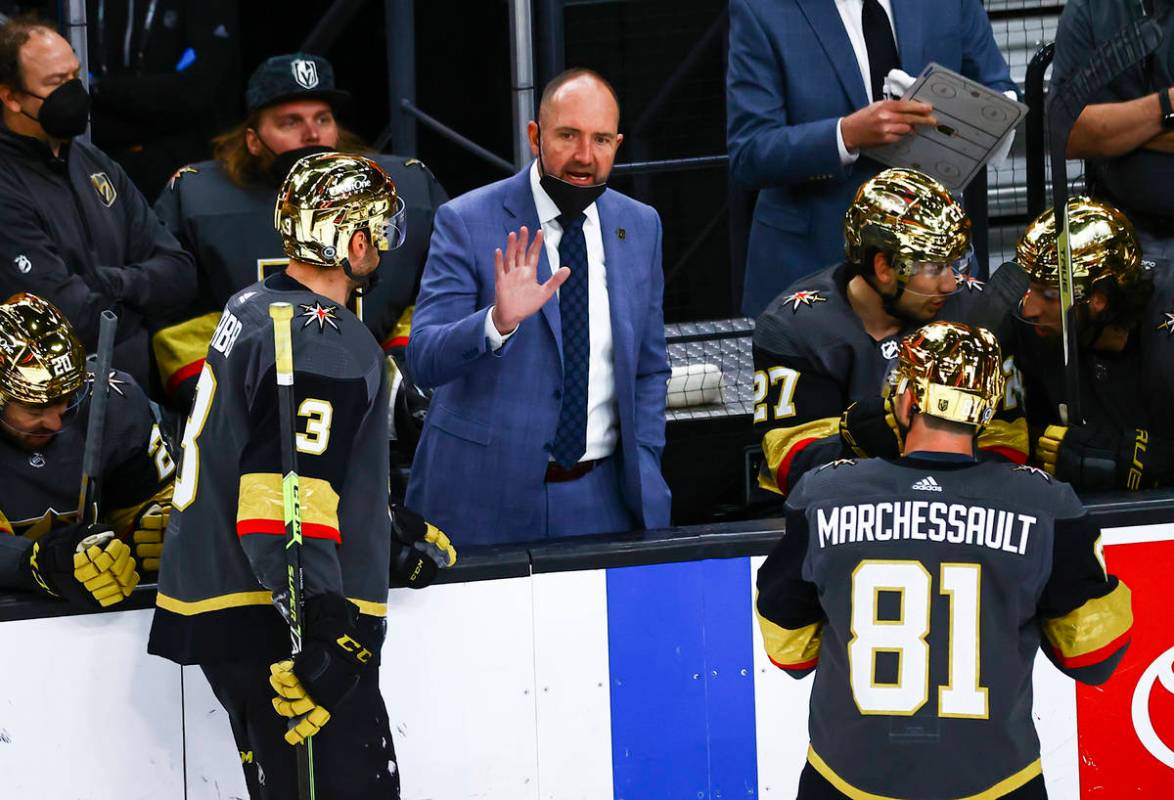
(548, 447)
(557, 394)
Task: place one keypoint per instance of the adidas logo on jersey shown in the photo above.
(927, 484)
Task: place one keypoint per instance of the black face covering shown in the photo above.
(282, 164)
(65, 112)
(570, 199)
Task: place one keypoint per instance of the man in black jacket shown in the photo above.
(76, 231)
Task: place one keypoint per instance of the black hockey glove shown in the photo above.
(419, 549)
(869, 429)
(1099, 458)
(84, 565)
(325, 672)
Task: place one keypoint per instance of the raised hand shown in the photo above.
(517, 293)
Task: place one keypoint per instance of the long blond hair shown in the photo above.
(247, 170)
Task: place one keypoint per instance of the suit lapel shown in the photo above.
(910, 40)
(520, 210)
(620, 290)
(829, 30)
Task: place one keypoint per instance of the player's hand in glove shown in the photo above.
(422, 549)
(1094, 457)
(148, 536)
(324, 673)
(84, 565)
(869, 429)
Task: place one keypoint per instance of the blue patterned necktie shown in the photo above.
(570, 438)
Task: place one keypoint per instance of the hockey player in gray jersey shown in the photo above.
(919, 589)
(822, 349)
(1125, 327)
(223, 581)
(44, 402)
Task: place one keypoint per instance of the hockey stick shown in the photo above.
(1116, 56)
(87, 504)
(281, 314)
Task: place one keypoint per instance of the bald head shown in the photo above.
(579, 131)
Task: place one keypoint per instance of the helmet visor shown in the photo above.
(394, 229)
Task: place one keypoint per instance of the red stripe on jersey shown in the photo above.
(794, 667)
(1009, 453)
(276, 527)
(1095, 656)
(391, 344)
(785, 465)
(182, 374)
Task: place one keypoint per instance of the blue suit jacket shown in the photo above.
(792, 75)
(478, 472)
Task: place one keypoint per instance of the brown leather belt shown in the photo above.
(558, 474)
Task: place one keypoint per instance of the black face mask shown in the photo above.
(570, 199)
(65, 112)
(282, 164)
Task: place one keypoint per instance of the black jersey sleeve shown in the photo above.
(789, 614)
(797, 408)
(329, 413)
(1086, 614)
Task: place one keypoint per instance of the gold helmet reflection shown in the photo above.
(326, 198)
(954, 370)
(908, 215)
(1102, 242)
(41, 360)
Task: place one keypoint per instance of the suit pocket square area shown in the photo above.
(458, 426)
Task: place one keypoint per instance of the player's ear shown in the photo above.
(359, 245)
(903, 408)
(1098, 302)
(882, 268)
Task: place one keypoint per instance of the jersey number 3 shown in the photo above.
(318, 414)
(905, 638)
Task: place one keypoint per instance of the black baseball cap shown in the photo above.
(293, 76)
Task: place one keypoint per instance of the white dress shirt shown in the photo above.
(850, 11)
(602, 428)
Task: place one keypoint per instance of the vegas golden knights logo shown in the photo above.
(105, 189)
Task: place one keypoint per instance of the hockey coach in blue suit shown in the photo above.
(804, 95)
(539, 321)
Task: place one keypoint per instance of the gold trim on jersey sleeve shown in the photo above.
(1003, 787)
(1006, 435)
(780, 446)
(791, 649)
(261, 508)
(1093, 626)
(180, 348)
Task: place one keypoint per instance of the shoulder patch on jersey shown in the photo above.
(116, 383)
(179, 173)
(807, 297)
(1168, 324)
(1032, 470)
(971, 283)
(323, 315)
(839, 462)
(104, 188)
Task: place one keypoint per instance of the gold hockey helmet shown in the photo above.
(41, 360)
(1102, 242)
(910, 216)
(327, 197)
(954, 370)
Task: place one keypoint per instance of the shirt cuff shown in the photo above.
(494, 339)
(847, 157)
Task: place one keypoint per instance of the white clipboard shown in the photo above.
(972, 121)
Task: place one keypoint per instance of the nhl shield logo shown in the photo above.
(105, 189)
(305, 72)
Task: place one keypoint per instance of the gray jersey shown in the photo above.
(224, 568)
(39, 489)
(917, 589)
